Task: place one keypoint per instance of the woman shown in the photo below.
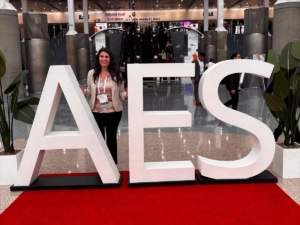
(105, 90)
(232, 85)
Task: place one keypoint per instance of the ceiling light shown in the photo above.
(156, 5)
(60, 3)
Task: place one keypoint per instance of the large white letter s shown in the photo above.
(263, 148)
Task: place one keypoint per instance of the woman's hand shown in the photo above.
(232, 92)
(82, 88)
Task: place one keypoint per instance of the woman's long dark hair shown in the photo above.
(113, 68)
(234, 55)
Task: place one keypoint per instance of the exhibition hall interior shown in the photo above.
(208, 104)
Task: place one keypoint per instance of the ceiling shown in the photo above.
(107, 5)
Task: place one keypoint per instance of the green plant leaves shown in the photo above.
(15, 83)
(278, 114)
(295, 50)
(281, 86)
(274, 103)
(29, 101)
(295, 82)
(287, 61)
(25, 114)
(14, 101)
(273, 58)
(2, 65)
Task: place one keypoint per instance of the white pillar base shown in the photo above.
(6, 5)
(220, 29)
(285, 1)
(72, 32)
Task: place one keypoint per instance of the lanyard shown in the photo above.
(104, 85)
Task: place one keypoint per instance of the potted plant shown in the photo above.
(283, 104)
(10, 109)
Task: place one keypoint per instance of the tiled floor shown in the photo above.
(207, 137)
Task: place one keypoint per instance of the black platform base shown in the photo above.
(264, 177)
(66, 182)
(161, 183)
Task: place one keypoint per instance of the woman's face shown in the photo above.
(238, 56)
(104, 59)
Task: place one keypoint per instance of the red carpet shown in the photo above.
(190, 204)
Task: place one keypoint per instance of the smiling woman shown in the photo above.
(105, 88)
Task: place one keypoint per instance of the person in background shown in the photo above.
(127, 60)
(199, 70)
(168, 60)
(163, 57)
(105, 90)
(211, 62)
(232, 85)
(168, 48)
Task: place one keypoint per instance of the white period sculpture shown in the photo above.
(263, 148)
(138, 119)
(41, 138)
(6, 5)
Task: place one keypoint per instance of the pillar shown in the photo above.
(71, 39)
(286, 26)
(10, 42)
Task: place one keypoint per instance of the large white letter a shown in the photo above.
(41, 138)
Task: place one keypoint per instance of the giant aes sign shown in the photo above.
(42, 138)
